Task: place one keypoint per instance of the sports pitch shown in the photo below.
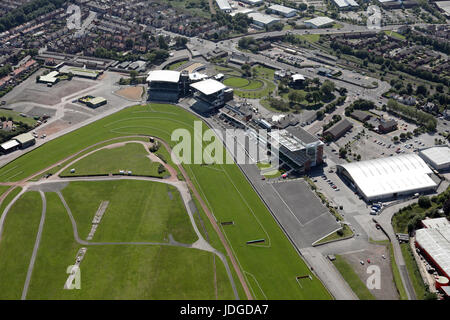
(154, 271)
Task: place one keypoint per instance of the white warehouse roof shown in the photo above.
(438, 157)
(386, 176)
(346, 3)
(320, 21)
(282, 9)
(436, 242)
(435, 223)
(208, 87)
(223, 5)
(264, 19)
(164, 76)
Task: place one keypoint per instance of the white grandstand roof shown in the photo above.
(386, 176)
(346, 3)
(440, 156)
(209, 86)
(287, 140)
(436, 242)
(196, 76)
(262, 18)
(320, 21)
(164, 76)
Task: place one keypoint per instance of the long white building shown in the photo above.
(389, 177)
(346, 4)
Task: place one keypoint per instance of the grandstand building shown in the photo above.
(213, 92)
(298, 148)
(167, 85)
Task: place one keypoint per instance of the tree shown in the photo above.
(424, 202)
(129, 43)
(316, 96)
(162, 43)
(327, 88)
(133, 75)
(421, 89)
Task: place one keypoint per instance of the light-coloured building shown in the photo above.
(51, 77)
(25, 140)
(283, 11)
(437, 157)
(97, 102)
(346, 4)
(9, 146)
(224, 5)
(253, 2)
(319, 22)
(263, 20)
(211, 91)
(434, 244)
(444, 6)
(388, 177)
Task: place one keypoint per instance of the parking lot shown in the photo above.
(374, 255)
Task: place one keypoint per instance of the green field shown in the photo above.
(17, 117)
(394, 34)
(346, 232)
(236, 82)
(310, 37)
(353, 280)
(270, 269)
(259, 86)
(16, 246)
(176, 65)
(413, 271)
(151, 211)
(397, 277)
(132, 156)
(121, 271)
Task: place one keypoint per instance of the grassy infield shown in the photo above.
(108, 269)
(131, 157)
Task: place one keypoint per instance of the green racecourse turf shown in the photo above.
(270, 269)
(16, 246)
(3, 189)
(151, 210)
(132, 156)
(121, 271)
(236, 82)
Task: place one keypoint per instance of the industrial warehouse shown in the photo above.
(433, 241)
(389, 177)
(437, 157)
